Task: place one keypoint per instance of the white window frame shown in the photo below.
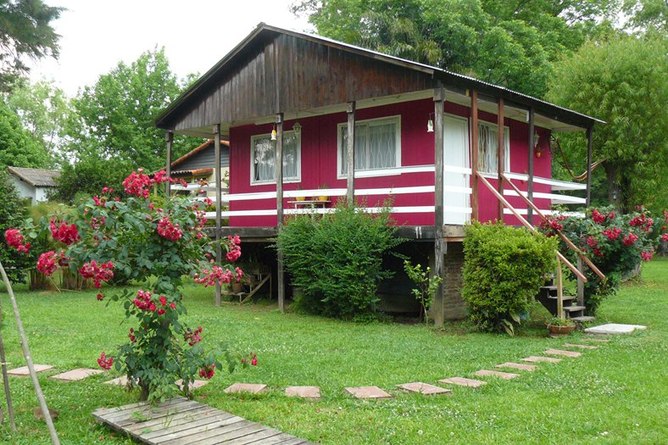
(286, 180)
(396, 119)
(506, 143)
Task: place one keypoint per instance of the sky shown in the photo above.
(96, 34)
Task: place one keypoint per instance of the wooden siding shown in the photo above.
(205, 159)
(293, 74)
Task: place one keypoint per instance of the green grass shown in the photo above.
(617, 394)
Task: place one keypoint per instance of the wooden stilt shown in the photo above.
(500, 153)
(219, 204)
(169, 141)
(474, 155)
(438, 305)
(279, 207)
(532, 142)
(350, 154)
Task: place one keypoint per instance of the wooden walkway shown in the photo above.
(180, 421)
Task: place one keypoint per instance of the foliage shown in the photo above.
(25, 30)
(336, 259)
(512, 44)
(558, 321)
(503, 269)
(156, 245)
(624, 82)
(616, 243)
(427, 285)
(17, 146)
(115, 117)
(12, 212)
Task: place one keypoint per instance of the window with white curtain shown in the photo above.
(487, 147)
(263, 155)
(377, 144)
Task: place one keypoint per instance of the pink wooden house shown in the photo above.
(431, 141)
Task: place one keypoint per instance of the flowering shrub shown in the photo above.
(616, 244)
(156, 244)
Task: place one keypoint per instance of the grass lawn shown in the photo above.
(617, 394)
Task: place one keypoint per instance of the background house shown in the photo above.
(33, 183)
(198, 166)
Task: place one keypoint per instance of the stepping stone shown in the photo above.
(519, 366)
(252, 388)
(614, 328)
(424, 388)
(76, 374)
(120, 381)
(305, 392)
(194, 385)
(598, 338)
(572, 345)
(368, 392)
(540, 359)
(571, 354)
(463, 381)
(502, 375)
(23, 370)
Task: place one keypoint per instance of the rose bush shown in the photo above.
(617, 244)
(158, 245)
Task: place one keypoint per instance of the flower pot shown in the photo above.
(323, 198)
(301, 198)
(560, 330)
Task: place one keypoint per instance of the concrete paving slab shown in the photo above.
(305, 392)
(575, 345)
(499, 374)
(540, 359)
(23, 370)
(252, 388)
(560, 352)
(194, 385)
(463, 381)
(368, 392)
(520, 366)
(424, 388)
(76, 374)
(614, 328)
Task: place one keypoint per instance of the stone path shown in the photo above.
(520, 366)
(424, 388)
(252, 388)
(368, 392)
(540, 359)
(76, 374)
(305, 392)
(614, 328)
(23, 370)
(463, 381)
(499, 374)
(562, 353)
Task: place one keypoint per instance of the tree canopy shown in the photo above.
(25, 31)
(17, 146)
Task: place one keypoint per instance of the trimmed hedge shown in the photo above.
(503, 269)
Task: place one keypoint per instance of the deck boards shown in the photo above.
(180, 421)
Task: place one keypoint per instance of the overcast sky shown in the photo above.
(96, 34)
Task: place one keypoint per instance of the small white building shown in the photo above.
(33, 183)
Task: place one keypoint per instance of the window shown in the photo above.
(487, 148)
(263, 154)
(377, 144)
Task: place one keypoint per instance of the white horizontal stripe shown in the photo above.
(456, 169)
(392, 171)
(556, 184)
(561, 199)
(272, 212)
(455, 189)
(453, 209)
(395, 190)
(546, 212)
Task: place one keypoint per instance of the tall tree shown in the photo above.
(25, 31)
(509, 43)
(624, 82)
(18, 148)
(115, 117)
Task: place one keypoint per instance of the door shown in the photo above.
(456, 171)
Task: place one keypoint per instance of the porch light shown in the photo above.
(430, 124)
(297, 128)
(273, 133)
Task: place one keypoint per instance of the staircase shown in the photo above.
(548, 297)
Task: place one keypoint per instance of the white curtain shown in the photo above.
(264, 155)
(487, 148)
(375, 146)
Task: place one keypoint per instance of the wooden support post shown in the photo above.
(474, 155)
(560, 290)
(219, 204)
(279, 206)
(590, 146)
(350, 154)
(438, 308)
(532, 142)
(169, 141)
(581, 284)
(500, 153)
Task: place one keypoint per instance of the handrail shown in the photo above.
(528, 225)
(568, 242)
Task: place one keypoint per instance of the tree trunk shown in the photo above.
(614, 192)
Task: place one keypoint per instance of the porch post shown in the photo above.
(532, 142)
(279, 206)
(218, 178)
(438, 308)
(590, 145)
(500, 152)
(350, 154)
(169, 140)
(474, 155)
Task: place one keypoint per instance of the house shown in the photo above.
(348, 122)
(33, 183)
(198, 165)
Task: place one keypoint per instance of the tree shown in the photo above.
(25, 30)
(512, 44)
(623, 81)
(115, 117)
(17, 146)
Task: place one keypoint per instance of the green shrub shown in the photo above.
(503, 270)
(336, 260)
(12, 212)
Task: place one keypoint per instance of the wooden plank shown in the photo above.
(152, 413)
(532, 142)
(205, 431)
(219, 435)
(438, 308)
(590, 144)
(500, 153)
(216, 420)
(112, 412)
(259, 436)
(180, 418)
(474, 155)
(219, 206)
(350, 154)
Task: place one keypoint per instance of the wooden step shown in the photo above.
(563, 298)
(582, 319)
(574, 308)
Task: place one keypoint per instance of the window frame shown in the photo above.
(396, 119)
(506, 143)
(296, 179)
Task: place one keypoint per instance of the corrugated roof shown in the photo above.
(194, 151)
(37, 177)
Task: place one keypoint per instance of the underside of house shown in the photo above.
(311, 121)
